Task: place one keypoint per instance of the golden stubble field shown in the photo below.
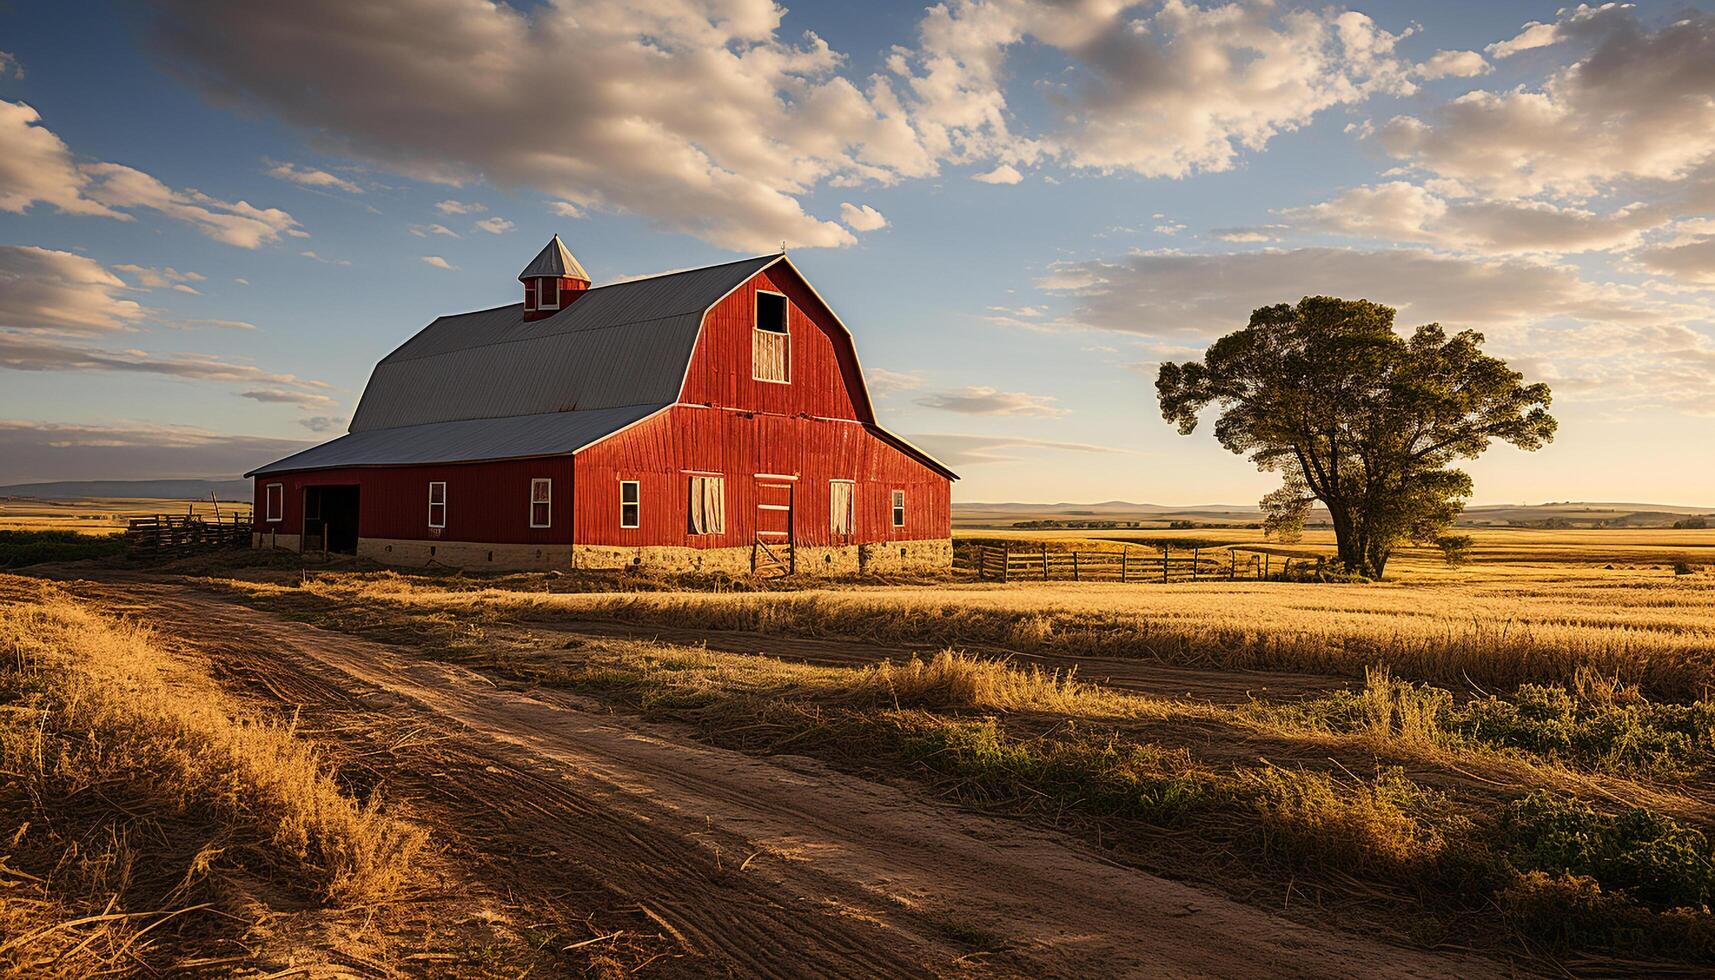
(100, 515)
(1506, 766)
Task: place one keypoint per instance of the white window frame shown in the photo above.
(697, 489)
(442, 503)
(548, 501)
(274, 502)
(756, 328)
(636, 503)
(541, 298)
(851, 508)
(898, 508)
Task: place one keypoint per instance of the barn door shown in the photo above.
(772, 552)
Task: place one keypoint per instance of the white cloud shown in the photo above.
(1688, 259)
(314, 256)
(1250, 234)
(881, 382)
(459, 207)
(1399, 211)
(232, 222)
(862, 218)
(38, 166)
(439, 263)
(33, 450)
(1160, 90)
(960, 449)
(984, 400)
(164, 278)
(1534, 35)
(1170, 228)
(1166, 294)
(1454, 64)
(495, 225)
(697, 116)
(566, 209)
(222, 324)
(1635, 106)
(42, 289)
(1006, 173)
(312, 177)
(284, 396)
(322, 423)
(424, 231)
(20, 352)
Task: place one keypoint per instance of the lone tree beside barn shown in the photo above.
(1356, 416)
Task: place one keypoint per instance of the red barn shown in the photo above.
(710, 419)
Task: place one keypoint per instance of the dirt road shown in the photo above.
(772, 866)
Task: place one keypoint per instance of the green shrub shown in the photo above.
(1597, 726)
(1642, 854)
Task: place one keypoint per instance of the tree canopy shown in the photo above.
(1356, 416)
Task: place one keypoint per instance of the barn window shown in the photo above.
(547, 294)
(899, 508)
(840, 493)
(771, 344)
(275, 496)
(708, 505)
(438, 504)
(628, 503)
(541, 503)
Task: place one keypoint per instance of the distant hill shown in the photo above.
(238, 490)
(1564, 514)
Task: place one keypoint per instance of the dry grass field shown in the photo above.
(97, 515)
(1499, 768)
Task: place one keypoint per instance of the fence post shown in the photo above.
(1125, 552)
(1074, 565)
(1163, 564)
(1044, 563)
(1005, 561)
(1232, 565)
(1196, 556)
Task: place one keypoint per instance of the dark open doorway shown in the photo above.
(331, 510)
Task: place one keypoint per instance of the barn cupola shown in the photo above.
(552, 280)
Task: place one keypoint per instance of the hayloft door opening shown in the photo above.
(330, 518)
(772, 552)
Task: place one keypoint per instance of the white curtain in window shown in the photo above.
(840, 507)
(708, 505)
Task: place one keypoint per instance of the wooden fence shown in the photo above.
(169, 535)
(1025, 564)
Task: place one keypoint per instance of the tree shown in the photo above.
(1358, 417)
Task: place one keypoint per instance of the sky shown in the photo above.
(215, 218)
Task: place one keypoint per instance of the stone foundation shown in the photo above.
(274, 539)
(470, 556)
(879, 558)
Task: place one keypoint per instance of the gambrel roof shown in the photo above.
(492, 385)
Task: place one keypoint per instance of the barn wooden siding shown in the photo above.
(664, 452)
(487, 502)
(824, 370)
(732, 425)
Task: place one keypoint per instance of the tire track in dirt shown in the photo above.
(772, 866)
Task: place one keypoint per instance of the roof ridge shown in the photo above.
(610, 285)
(536, 336)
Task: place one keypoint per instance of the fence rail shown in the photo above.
(169, 535)
(1004, 564)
